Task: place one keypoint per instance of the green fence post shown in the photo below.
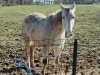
(74, 58)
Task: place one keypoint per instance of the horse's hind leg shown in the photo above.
(32, 56)
(45, 57)
(27, 51)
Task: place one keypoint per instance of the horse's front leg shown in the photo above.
(57, 52)
(45, 57)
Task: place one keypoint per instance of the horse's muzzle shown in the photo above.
(68, 34)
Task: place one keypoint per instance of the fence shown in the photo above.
(88, 58)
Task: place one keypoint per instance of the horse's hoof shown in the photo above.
(55, 72)
(42, 72)
(45, 61)
(32, 66)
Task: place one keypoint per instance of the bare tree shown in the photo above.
(9, 2)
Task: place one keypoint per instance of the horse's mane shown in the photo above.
(55, 18)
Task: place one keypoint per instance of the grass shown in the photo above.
(87, 21)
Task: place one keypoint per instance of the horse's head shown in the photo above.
(68, 19)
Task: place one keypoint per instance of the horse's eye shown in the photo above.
(63, 17)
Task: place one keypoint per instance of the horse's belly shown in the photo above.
(38, 43)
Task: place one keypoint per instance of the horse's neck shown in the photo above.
(57, 18)
(57, 23)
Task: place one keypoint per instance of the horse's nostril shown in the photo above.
(65, 34)
(71, 35)
(68, 34)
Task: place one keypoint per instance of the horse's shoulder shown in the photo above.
(49, 18)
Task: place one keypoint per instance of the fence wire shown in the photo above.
(88, 58)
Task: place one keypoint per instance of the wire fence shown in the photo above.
(88, 58)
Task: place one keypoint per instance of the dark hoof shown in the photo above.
(55, 72)
(32, 66)
(56, 60)
(45, 61)
(42, 72)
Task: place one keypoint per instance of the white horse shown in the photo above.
(37, 29)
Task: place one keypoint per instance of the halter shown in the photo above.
(19, 63)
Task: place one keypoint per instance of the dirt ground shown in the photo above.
(88, 60)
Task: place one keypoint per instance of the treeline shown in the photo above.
(29, 2)
(80, 1)
(16, 2)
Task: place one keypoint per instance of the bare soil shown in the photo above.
(88, 60)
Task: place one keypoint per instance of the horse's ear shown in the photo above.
(73, 7)
(62, 7)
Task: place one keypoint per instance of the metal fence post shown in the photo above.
(74, 58)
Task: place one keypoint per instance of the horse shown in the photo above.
(37, 29)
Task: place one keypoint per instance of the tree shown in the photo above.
(9, 2)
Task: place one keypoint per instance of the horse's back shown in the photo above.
(34, 17)
(30, 20)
